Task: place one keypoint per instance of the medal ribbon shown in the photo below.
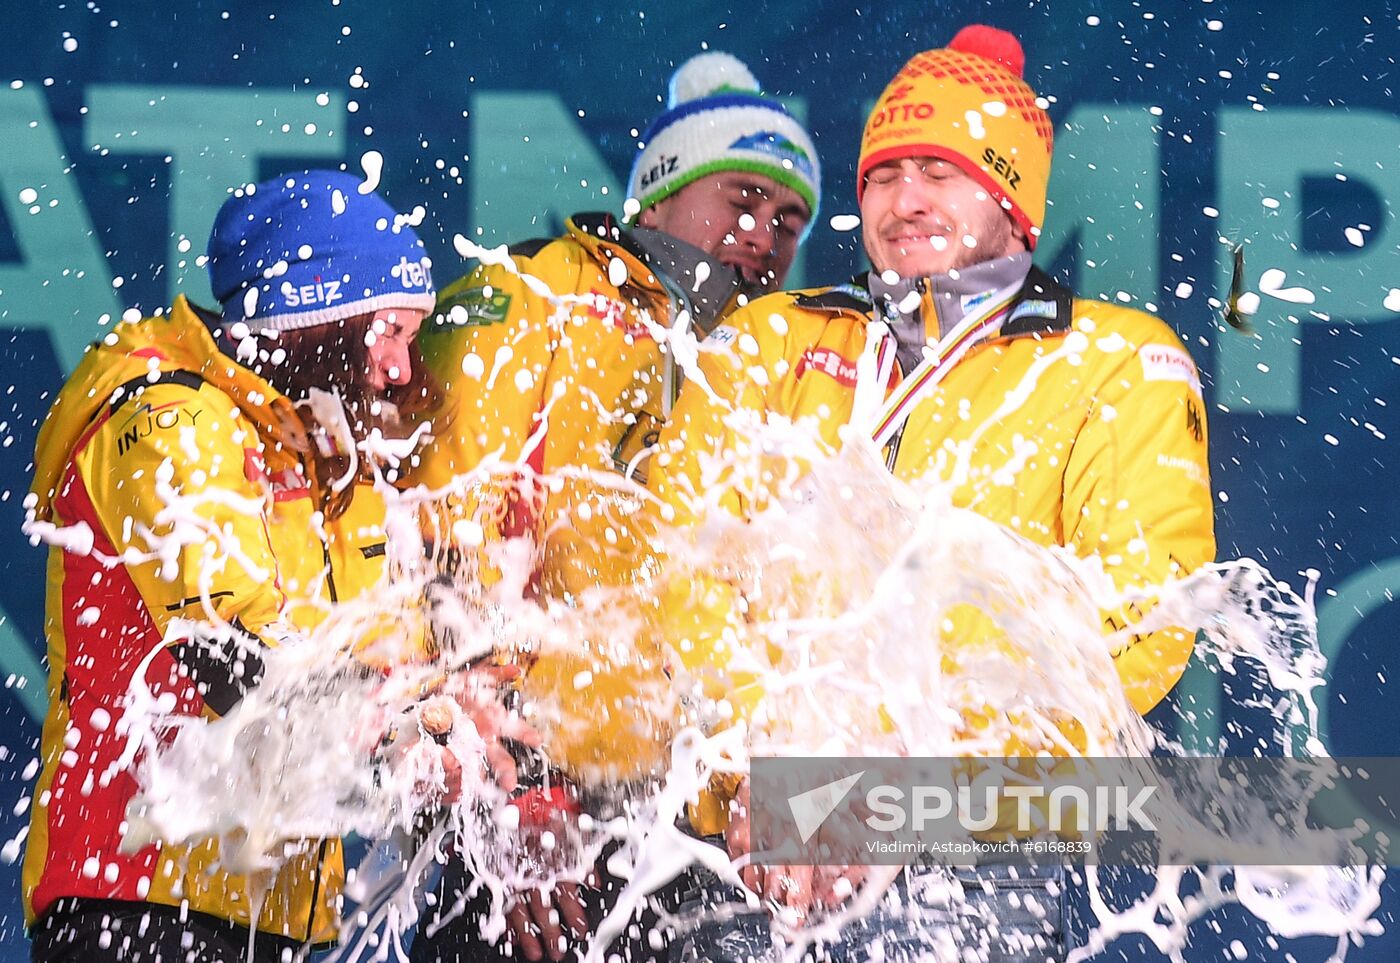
(937, 363)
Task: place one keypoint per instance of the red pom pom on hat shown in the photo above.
(994, 44)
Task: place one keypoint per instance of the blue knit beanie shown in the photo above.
(310, 248)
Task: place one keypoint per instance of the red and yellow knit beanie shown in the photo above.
(968, 105)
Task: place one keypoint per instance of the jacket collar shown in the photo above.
(1041, 307)
(604, 237)
(600, 231)
(662, 271)
(849, 298)
(708, 291)
(948, 297)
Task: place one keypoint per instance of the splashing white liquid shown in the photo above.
(857, 573)
(850, 608)
(372, 163)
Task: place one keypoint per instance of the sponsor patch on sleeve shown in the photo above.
(1163, 363)
(1195, 422)
(480, 305)
(1191, 469)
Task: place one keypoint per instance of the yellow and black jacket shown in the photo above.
(175, 477)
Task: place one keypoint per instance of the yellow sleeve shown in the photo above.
(700, 620)
(170, 481)
(703, 619)
(1137, 494)
(491, 343)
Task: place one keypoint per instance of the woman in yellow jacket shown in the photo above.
(180, 475)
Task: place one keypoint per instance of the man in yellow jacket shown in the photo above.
(1073, 423)
(555, 358)
(181, 476)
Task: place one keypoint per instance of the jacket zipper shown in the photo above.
(330, 571)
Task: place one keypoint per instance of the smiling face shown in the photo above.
(922, 216)
(745, 221)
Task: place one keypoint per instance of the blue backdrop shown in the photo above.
(1180, 132)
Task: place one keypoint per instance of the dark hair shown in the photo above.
(335, 355)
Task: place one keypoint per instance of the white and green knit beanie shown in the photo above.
(716, 120)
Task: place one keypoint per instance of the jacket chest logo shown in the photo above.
(829, 363)
(147, 419)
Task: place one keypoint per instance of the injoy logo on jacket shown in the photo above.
(146, 419)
